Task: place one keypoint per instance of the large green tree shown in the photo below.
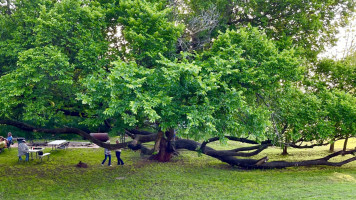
(72, 66)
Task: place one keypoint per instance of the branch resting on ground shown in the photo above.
(227, 156)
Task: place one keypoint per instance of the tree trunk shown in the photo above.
(332, 147)
(345, 143)
(284, 153)
(8, 4)
(164, 146)
(164, 155)
(157, 146)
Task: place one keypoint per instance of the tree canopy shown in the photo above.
(205, 70)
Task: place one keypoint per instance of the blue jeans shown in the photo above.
(106, 156)
(27, 157)
(119, 160)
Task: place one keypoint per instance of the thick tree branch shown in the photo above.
(232, 153)
(261, 163)
(138, 132)
(294, 145)
(30, 128)
(141, 137)
(246, 148)
(244, 140)
(224, 156)
(306, 146)
(321, 161)
(73, 113)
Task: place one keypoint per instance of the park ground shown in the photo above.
(188, 176)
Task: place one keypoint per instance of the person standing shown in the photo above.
(23, 150)
(118, 154)
(107, 155)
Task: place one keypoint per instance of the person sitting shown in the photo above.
(9, 139)
(3, 143)
(23, 150)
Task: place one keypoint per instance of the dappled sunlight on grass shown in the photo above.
(341, 177)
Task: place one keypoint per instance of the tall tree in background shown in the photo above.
(337, 76)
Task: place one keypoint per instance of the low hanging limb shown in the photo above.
(26, 127)
(233, 153)
(244, 140)
(231, 160)
(228, 156)
(306, 146)
(321, 161)
(294, 145)
(224, 156)
(246, 148)
(139, 138)
(262, 163)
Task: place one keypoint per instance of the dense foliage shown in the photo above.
(204, 69)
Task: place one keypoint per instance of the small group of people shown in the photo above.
(22, 146)
(23, 149)
(6, 142)
(108, 155)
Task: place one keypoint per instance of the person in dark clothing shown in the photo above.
(118, 154)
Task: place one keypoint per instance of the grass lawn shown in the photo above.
(188, 176)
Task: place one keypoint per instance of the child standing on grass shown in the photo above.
(118, 153)
(107, 154)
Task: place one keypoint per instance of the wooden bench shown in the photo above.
(45, 154)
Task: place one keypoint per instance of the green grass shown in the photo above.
(188, 176)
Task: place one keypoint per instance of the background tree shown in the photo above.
(308, 25)
(338, 76)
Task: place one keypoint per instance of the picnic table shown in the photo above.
(57, 144)
(35, 150)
